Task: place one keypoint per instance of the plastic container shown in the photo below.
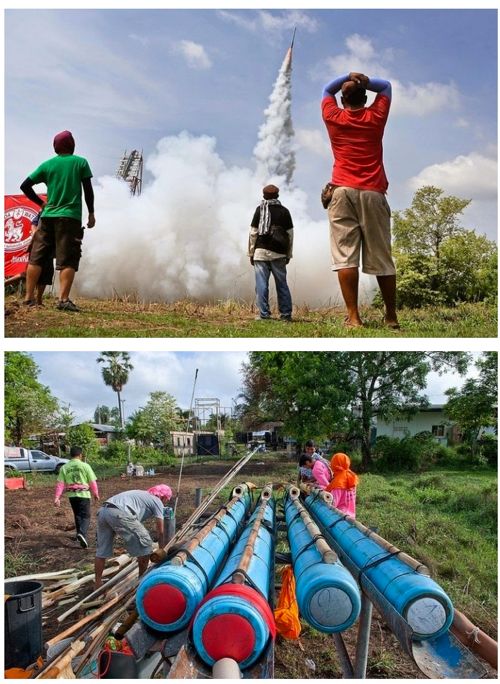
(23, 623)
(117, 665)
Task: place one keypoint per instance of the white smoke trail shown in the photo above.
(274, 151)
(186, 235)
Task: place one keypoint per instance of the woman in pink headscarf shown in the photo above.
(343, 484)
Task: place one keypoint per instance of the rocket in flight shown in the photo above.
(288, 56)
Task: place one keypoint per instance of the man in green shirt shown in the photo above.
(60, 228)
(79, 480)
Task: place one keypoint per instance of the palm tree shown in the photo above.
(115, 373)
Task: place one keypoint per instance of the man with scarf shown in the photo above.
(60, 228)
(270, 249)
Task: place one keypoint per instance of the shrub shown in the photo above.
(411, 453)
(488, 446)
(84, 436)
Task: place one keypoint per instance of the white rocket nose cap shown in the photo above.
(426, 616)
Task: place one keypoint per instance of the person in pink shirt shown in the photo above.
(320, 471)
(343, 485)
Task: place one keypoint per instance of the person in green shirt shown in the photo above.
(79, 480)
(60, 228)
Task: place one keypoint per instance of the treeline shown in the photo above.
(339, 395)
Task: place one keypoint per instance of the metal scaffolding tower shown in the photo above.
(204, 409)
(130, 170)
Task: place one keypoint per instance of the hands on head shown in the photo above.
(359, 79)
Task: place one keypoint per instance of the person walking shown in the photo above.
(79, 480)
(60, 228)
(358, 212)
(124, 514)
(343, 485)
(270, 250)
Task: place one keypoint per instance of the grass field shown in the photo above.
(130, 318)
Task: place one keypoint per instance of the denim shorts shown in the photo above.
(113, 521)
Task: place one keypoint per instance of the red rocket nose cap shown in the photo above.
(164, 604)
(228, 636)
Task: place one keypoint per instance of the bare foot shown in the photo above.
(354, 322)
(392, 323)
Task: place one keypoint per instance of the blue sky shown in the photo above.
(123, 79)
(75, 378)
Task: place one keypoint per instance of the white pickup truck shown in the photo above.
(26, 460)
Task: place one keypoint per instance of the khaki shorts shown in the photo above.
(60, 236)
(360, 222)
(113, 521)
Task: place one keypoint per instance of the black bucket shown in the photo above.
(117, 665)
(23, 623)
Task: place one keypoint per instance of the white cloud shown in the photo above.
(421, 100)
(471, 176)
(271, 23)
(194, 54)
(313, 140)
(408, 98)
(143, 40)
(75, 378)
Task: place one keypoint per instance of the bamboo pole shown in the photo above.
(60, 667)
(101, 590)
(161, 555)
(328, 555)
(475, 639)
(81, 623)
(181, 557)
(238, 576)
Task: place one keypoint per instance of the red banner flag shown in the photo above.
(19, 213)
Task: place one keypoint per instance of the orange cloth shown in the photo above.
(343, 476)
(17, 673)
(286, 614)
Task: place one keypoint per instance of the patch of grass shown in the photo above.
(130, 317)
(447, 520)
(17, 564)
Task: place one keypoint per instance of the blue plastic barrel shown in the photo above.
(417, 598)
(168, 595)
(235, 620)
(327, 594)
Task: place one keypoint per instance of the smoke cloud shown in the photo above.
(186, 235)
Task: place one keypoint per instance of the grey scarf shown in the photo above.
(265, 216)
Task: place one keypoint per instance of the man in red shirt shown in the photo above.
(359, 213)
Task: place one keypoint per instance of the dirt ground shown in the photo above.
(45, 534)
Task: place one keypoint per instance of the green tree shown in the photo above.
(306, 390)
(29, 406)
(439, 261)
(115, 373)
(64, 419)
(154, 422)
(432, 218)
(318, 393)
(469, 261)
(391, 384)
(475, 404)
(106, 415)
(83, 435)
